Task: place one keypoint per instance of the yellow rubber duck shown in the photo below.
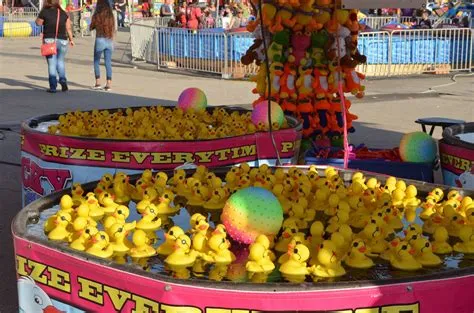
(150, 221)
(198, 196)
(290, 229)
(167, 247)
(218, 272)
(424, 253)
(66, 204)
(437, 194)
(76, 193)
(316, 236)
(373, 237)
(332, 206)
(165, 200)
(265, 241)
(178, 181)
(217, 200)
(356, 257)
(120, 215)
(119, 242)
(200, 237)
(83, 211)
(83, 237)
(295, 240)
(296, 263)
(99, 246)
(149, 196)
(454, 225)
(341, 218)
(411, 202)
(466, 234)
(141, 248)
(96, 212)
(392, 218)
(258, 260)
(401, 185)
(219, 250)
(403, 259)
(470, 216)
(182, 254)
(328, 262)
(107, 202)
(220, 229)
(120, 188)
(346, 232)
(320, 199)
(454, 195)
(440, 243)
(391, 249)
(61, 222)
(161, 180)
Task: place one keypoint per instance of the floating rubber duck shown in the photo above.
(320, 199)
(424, 253)
(61, 222)
(440, 243)
(403, 258)
(437, 194)
(296, 263)
(149, 196)
(466, 234)
(66, 204)
(411, 202)
(258, 260)
(165, 200)
(470, 217)
(198, 195)
(341, 218)
(265, 241)
(76, 193)
(332, 206)
(295, 240)
(141, 249)
(290, 229)
(200, 237)
(219, 250)
(221, 229)
(454, 224)
(182, 254)
(356, 257)
(120, 188)
(454, 195)
(392, 218)
(167, 247)
(150, 221)
(107, 201)
(316, 236)
(119, 242)
(83, 237)
(329, 263)
(96, 212)
(83, 211)
(120, 215)
(217, 200)
(100, 245)
(161, 180)
(390, 250)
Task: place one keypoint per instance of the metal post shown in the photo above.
(390, 54)
(225, 72)
(157, 36)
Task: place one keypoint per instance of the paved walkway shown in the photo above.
(385, 114)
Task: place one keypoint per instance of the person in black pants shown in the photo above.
(120, 7)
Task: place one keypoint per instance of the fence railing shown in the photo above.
(376, 22)
(18, 14)
(401, 52)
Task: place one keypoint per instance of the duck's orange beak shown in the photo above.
(362, 249)
(286, 235)
(412, 251)
(51, 309)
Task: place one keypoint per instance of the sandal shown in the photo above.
(97, 87)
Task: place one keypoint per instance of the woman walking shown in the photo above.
(104, 24)
(56, 28)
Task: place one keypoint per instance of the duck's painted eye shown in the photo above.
(88, 231)
(355, 244)
(102, 237)
(404, 247)
(183, 241)
(38, 300)
(293, 230)
(414, 237)
(295, 251)
(223, 240)
(119, 211)
(166, 196)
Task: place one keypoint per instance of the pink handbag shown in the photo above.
(48, 49)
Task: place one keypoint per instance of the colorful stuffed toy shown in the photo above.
(280, 41)
(300, 43)
(276, 71)
(287, 82)
(353, 82)
(284, 18)
(304, 83)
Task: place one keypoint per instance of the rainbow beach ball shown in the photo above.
(192, 99)
(260, 113)
(250, 212)
(418, 147)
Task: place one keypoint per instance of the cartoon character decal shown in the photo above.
(466, 180)
(32, 299)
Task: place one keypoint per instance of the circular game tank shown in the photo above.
(72, 281)
(456, 150)
(52, 162)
